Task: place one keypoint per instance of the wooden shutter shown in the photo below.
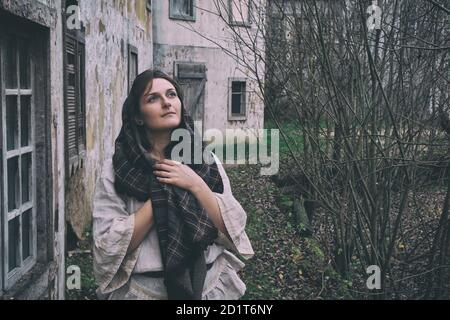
(191, 71)
(74, 94)
(82, 102)
(71, 92)
(192, 78)
(75, 110)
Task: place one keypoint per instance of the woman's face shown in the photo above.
(160, 106)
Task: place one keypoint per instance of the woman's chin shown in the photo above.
(170, 124)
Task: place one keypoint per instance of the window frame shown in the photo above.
(174, 16)
(8, 278)
(132, 50)
(236, 23)
(242, 115)
(45, 214)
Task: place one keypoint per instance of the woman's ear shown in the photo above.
(139, 121)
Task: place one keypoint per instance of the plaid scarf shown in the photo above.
(183, 226)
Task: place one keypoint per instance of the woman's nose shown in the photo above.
(166, 102)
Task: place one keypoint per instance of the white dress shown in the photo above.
(118, 274)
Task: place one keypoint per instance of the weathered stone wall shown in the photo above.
(110, 27)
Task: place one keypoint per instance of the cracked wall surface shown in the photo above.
(110, 27)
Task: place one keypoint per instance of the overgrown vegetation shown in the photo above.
(368, 165)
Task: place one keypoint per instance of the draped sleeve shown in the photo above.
(113, 228)
(234, 217)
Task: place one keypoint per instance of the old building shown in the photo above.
(190, 41)
(66, 67)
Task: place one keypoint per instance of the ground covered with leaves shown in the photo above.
(286, 265)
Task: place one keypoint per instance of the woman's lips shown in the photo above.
(168, 114)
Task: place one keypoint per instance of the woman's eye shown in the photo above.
(172, 94)
(152, 99)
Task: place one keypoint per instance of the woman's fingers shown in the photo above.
(165, 180)
(171, 162)
(163, 174)
(171, 171)
(163, 166)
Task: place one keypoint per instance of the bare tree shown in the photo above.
(373, 109)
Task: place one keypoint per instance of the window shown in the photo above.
(26, 194)
(237, 99)
(133, 65)
(182, 10)
(17, 158)
(74, 98)
(239, 12)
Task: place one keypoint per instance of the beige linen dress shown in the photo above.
(119, 275)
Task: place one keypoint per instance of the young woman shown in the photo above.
(163, 229)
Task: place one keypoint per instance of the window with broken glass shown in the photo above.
(182, 9)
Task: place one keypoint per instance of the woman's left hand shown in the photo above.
(178, 174)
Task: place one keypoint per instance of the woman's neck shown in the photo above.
(159, 141)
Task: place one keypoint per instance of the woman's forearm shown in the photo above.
(143, 221)
(208, 201)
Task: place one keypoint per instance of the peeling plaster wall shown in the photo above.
(110, 27)
(178, 40)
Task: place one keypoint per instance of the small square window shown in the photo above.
(182, 10)
(239, 12)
